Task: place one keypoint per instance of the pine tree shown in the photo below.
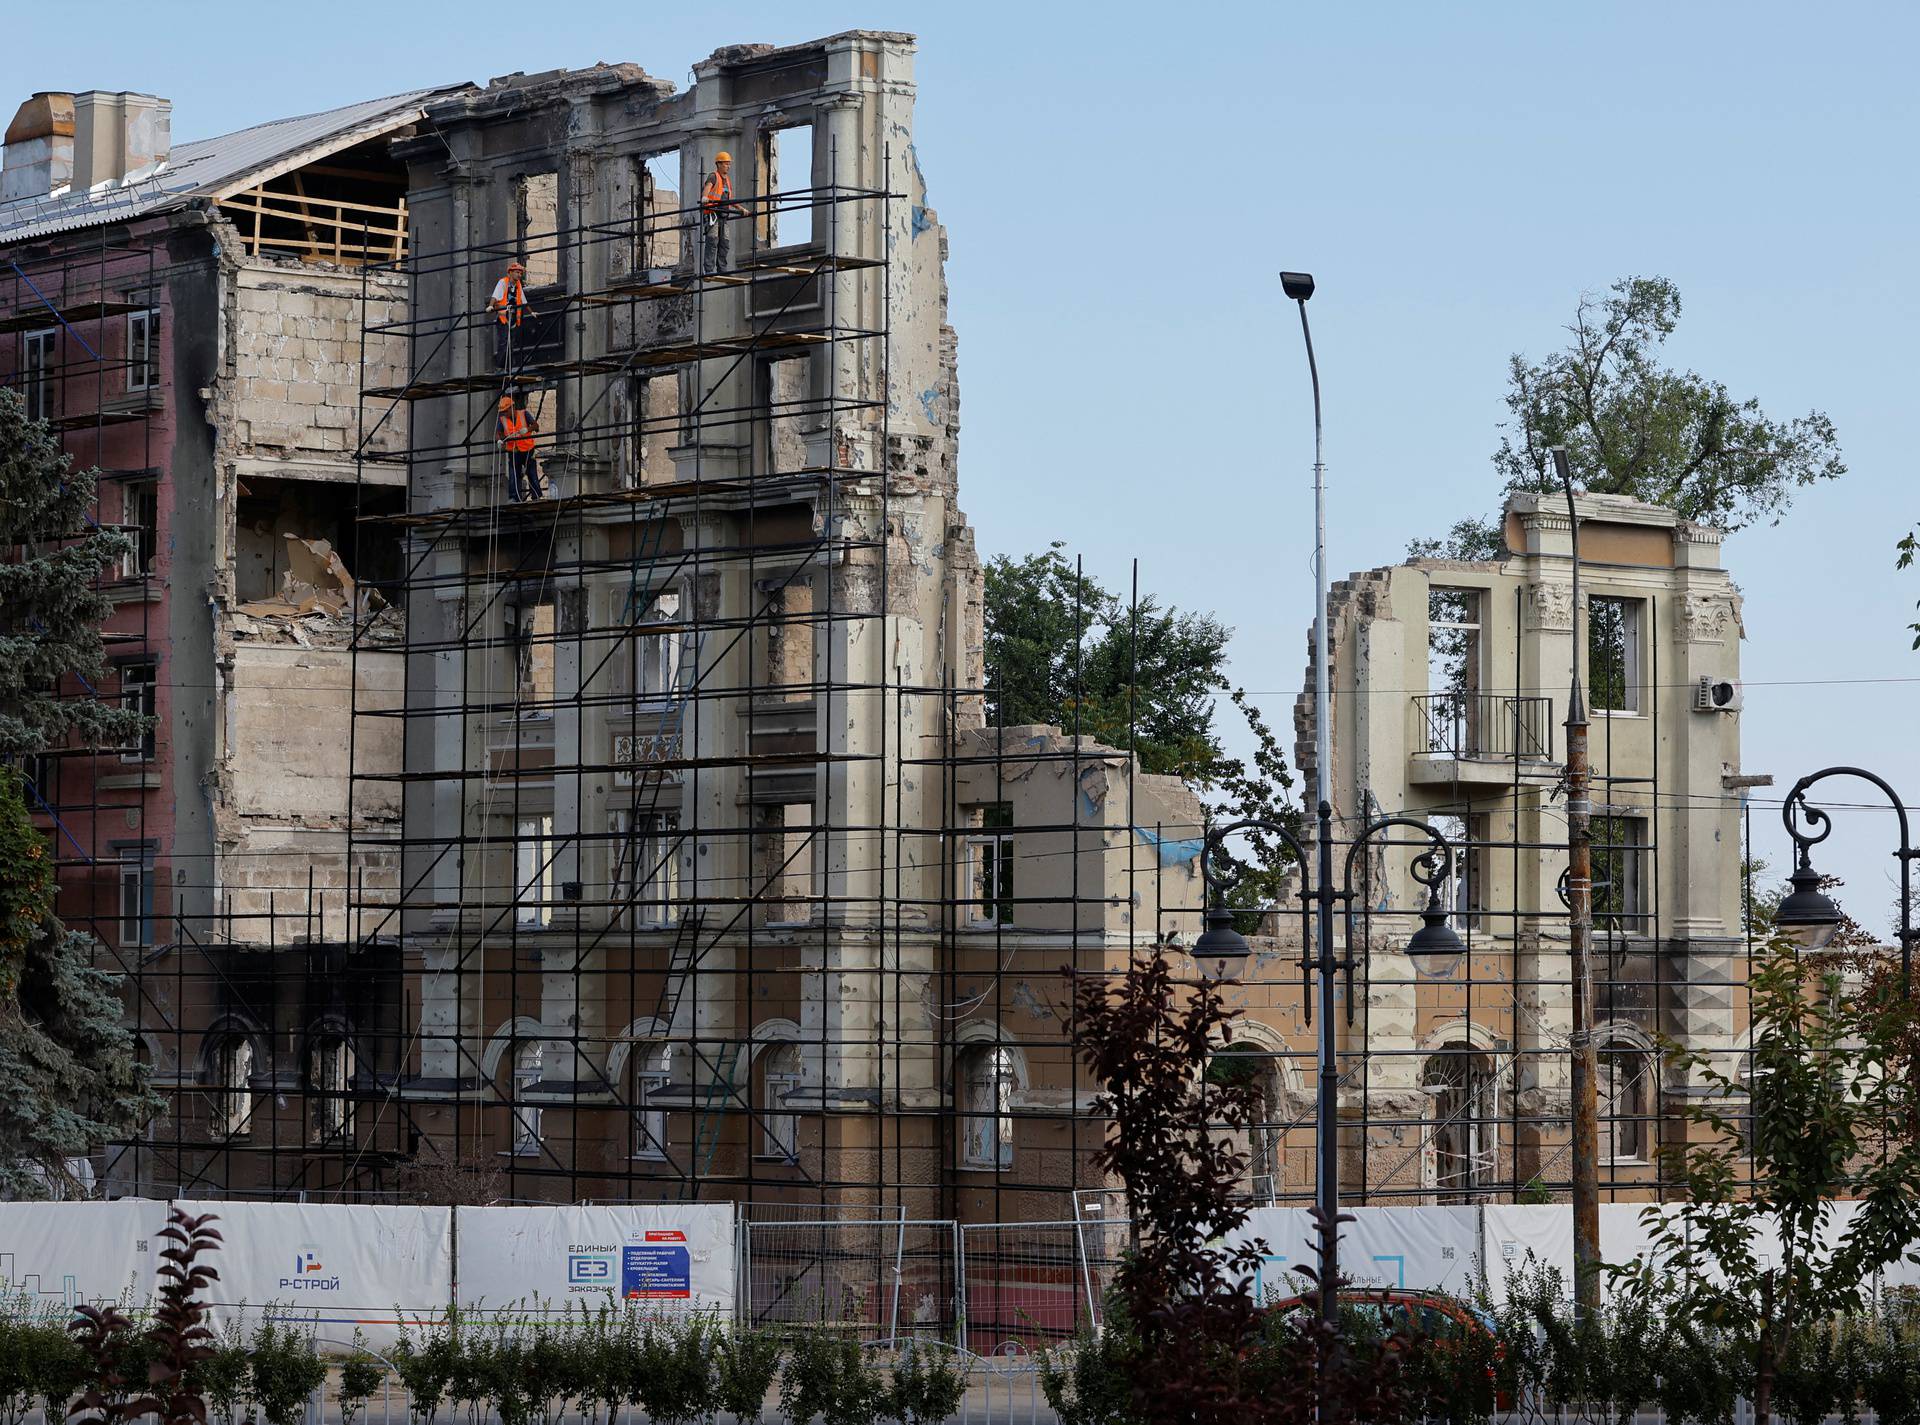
(69, 1079)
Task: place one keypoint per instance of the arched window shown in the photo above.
(1625, 1093)
(527, 1059)
(652, 1078)
(233, 1087)
(1466, 1113)
(330, 1071)
(1242, 1062)
(986, 1098)
(779, 1123)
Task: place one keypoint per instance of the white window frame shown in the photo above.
(136, 895)
(37, 364)
(988, 1083)
(1633, 615)
(780, 1125)
(652, 1080)
(1634, 1084)
(647, 865)
(658, 657)
(143, 350)
(528, 1064)
(533, 862)
(141, 523)
(139, 689)
(330, 1069)
(233, 1069)
(1474, 1111)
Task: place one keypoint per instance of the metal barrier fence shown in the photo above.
(883, 1279)
(995, 1289)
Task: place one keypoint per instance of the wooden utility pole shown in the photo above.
(1585, 1085)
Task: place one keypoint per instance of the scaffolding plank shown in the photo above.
(38, 316)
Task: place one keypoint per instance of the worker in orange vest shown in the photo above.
(716, 207)
(509, 304)
(515, 430)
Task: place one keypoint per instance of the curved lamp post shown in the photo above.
(1808, 916)
(1434, 942)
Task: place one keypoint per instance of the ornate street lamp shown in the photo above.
(1433, 948)
(1808, 916)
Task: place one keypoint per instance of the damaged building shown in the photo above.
(1449, 688)
(619, 818)
(190, 320)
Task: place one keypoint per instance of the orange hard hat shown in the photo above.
(516, 265)
(506, 403)
(723, 157)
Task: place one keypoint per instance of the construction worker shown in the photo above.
(509, 303)
(716, 207)
(515, 431)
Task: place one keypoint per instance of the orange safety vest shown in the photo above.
(515, 301)
(718, 190)
(516, 431)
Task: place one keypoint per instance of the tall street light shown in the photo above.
(1586, 1064)
(1808, 916)
(1299, 287)
(1431, 947)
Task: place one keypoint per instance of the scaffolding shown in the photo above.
(80, 344)
(692, 852)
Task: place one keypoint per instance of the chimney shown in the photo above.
(117, 135)
(39, 154)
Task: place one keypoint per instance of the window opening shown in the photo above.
(1613, 653)
(988, 1095)
(989, 868)
(36, 373)
(780, 1125)
(786, 179)
(143, 350)
(330, 1073)
(538, 215)
(138, 682)
(533, 871)
(139, 521)
(651, 1079)
(527, 1073)
(233, 1066)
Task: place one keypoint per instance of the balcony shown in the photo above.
(1481, 739)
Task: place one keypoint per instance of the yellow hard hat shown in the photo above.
(723, 157)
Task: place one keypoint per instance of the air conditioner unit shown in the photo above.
(1716, 695)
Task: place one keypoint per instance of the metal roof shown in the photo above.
(219, 167)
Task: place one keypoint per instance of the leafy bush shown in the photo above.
(425, 1359)
(360, 1376)
(41, 1366)
(927, 1385)
(223, 1375)
(745, 1366)
(284, 1372)
(827, 1374)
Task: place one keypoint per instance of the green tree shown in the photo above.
(1633, 425)
(1062, 649)
(69, 1081)
(1825, 1108)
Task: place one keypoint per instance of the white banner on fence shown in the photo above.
(334, 1267)
(1431, 1249)
(1509, 1234)
(527, 1261)
(60, 1254)
(1428, 1248)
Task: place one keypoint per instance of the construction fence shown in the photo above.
(994, 1290)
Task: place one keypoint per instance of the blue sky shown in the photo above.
(1121, 182)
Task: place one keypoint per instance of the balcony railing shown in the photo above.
(1483, 725)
